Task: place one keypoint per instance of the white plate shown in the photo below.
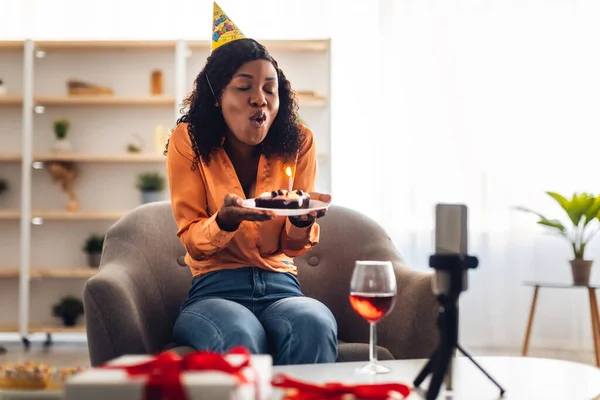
(313, 205)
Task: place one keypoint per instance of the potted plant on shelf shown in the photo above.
(69, 308)
(61, 128)
(151, 184)
(93, 247)
(583, 211)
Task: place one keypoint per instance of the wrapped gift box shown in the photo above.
(114, 382)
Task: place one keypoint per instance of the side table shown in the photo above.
(593, 312)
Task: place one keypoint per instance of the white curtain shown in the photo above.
(485, 103)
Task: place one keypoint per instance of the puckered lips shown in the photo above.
(258, 119)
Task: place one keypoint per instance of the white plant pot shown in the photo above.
(150, 196)
(62, 146)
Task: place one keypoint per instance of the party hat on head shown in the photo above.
(223, 30)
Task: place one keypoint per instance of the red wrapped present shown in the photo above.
(168, 376)
(295, 389)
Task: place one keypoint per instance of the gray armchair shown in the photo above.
(132, 302)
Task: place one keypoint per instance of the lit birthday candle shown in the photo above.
(288, 172)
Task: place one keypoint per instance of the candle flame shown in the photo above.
(288, 172)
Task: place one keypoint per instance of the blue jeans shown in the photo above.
(261, 310)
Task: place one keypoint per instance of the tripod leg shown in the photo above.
(464, 352)
(426, 369)
(439, 372)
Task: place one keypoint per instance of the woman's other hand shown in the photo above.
(231, 215)
(308, 219)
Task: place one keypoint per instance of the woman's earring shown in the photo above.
(217, 104)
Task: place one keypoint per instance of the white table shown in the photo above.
(523, 378)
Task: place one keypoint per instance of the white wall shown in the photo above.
(160, 19)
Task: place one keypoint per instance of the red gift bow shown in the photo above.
(164, 371)
(335, 390)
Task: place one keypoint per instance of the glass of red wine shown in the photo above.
(372, 296)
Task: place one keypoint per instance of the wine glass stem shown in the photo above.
(373, 344)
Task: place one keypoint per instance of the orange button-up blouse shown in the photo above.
(197, 195)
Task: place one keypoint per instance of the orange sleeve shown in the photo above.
(294, 240)
(199, 232)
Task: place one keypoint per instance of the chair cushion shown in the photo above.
(360, 352)
(346, 351)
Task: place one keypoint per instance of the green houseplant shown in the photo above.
(583, 211)
(151, 184)
(61, 129)
(93, 247)
(69, 308)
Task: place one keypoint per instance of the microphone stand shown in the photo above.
(451, 270)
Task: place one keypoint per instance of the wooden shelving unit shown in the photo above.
(101, 129)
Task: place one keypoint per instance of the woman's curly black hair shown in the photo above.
(206, 124)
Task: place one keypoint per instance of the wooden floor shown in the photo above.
(76, 354)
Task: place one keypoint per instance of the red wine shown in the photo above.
(372, 306)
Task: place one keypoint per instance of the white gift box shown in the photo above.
(116, 384)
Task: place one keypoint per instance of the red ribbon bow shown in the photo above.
(164, 371)
(337, 391)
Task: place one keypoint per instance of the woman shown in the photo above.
(235, 141)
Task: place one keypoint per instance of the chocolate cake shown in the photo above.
(283, 199)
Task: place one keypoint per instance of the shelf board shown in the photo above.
(47, 328)
(124, 158)
(60, 273)
(9, 272)
(11, 100)
(305, 100)
(104, 100)
(10, 157)
(49, 273)
(10, 214)
(105, 44)
(101, 158)
(9, 328)
(11, 44)
(59, 215)
(310, 100)
(316, 45)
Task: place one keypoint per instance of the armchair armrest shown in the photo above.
(113, 320)
(124, 310)
(410, 330)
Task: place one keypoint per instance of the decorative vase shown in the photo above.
(62, 146)
(94, 259)
(581, 271)
(149, 196)
(69, 320)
